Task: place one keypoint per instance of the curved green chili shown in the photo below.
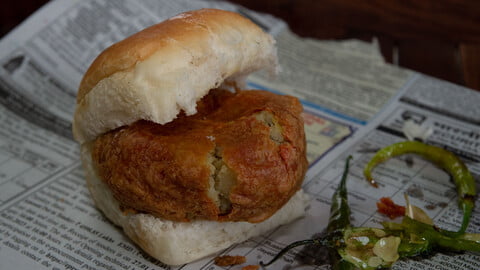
(444, 159)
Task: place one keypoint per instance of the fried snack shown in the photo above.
(187, 169)
(240, 161)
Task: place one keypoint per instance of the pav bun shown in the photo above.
(166, 68)
(183, 165)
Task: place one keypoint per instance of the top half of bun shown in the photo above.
(167, 68)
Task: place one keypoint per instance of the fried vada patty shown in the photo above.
(240, 158)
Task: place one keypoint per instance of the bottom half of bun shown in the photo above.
(177, 243)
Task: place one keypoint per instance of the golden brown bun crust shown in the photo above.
(138, 47)
(169, 170)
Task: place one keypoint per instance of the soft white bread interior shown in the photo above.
(167, 68)
(176, 243)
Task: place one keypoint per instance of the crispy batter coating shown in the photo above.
(240, 158)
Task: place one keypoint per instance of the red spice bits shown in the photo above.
(387, 207)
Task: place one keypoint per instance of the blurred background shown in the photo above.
(438, 38)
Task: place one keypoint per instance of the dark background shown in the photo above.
(435, 37)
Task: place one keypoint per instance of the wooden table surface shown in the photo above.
(438, 38)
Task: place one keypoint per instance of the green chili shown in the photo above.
(446, 160)
(339, 210)
(420, 238)
(339, 221)
(373, 248)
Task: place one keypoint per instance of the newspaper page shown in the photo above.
(348, 77)
(47, 218)
(426, 185)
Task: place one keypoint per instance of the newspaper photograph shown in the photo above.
(354, 105)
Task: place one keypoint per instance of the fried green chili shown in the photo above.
(446, 160)
(339, 210)
(420, 238)
(339, 221)
(373, 248)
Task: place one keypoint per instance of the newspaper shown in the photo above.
(354, 103)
